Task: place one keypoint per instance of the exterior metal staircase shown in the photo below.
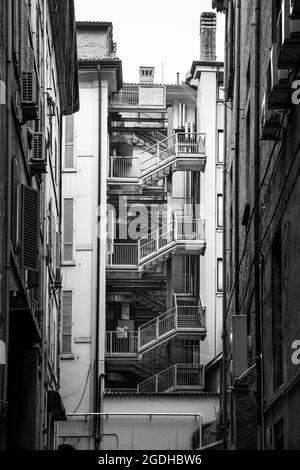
(182, 235)
(186, 318)
(179, 152)
(176, 377)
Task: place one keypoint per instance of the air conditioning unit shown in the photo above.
(29, 96)
(295, 9)
(38, 159)
(278, 97)
(270, 121)
(289, 38)
(58, 279)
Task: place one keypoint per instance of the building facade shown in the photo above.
(260, 393)
(134, 322)
(38, 84)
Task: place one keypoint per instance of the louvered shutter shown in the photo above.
(67, 322)
(30, 228)
(14, 201)
(24, 36)
(69, 141)
(68, 230)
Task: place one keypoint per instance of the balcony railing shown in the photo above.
(179, 376)
(123, 255)
(185, 233)
(140, 97)
(182, 318)
(121, 343)
(123, 169)
(187, 150)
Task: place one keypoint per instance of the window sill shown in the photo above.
(69, 170)
(68, 263)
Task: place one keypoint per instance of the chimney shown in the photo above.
(208, 32)
(147, 75)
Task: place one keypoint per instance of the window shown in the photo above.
(221, 94)
(69, 142)
(67, 323)
(220, 210)
(220, 146)
(68, 230)
(219, 275)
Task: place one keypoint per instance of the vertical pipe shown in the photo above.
(97, 386)
(223, 396)
(6, 282)
(257, 274)
(43, 273)
(236, 154)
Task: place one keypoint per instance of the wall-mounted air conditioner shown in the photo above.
(295, 9)
(29, 95)
(279, 91)
(38, 158)
(270, 121)
(288, 38)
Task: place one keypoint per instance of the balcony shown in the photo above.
(288, 36)
(123, 171)
(177, 377)
(139, 97)
(185, 320)
(122, 343)
(123, 256)
(181, 236)
(179, 152)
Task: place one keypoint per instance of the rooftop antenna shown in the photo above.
(162, 73)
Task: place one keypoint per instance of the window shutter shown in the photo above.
(14, 201)
(68, 230)
(69, 141)
(30, 228)
(24, 36)
(67, 322)
(34, 285)
(57, 249)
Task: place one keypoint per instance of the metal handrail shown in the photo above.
(124, 254)
(177, 318)
(183, 143)
(118, 342)
(120, 167)
(174, 377)
(180, 229)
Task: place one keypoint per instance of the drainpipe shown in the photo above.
(257, 273)
(6, 282)
(236, 156)
(97, 398)
(223, 396)
(44, 266)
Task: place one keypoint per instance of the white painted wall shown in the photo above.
(161, 433)
(77, 369)
(210, 119)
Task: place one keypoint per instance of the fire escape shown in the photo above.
(136, 269)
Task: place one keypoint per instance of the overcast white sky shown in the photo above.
(153, 33)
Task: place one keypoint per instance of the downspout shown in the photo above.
(8, 197)
(97, 399)
(44, 266)
(257, 273)
(223, 396)
(236, 156)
